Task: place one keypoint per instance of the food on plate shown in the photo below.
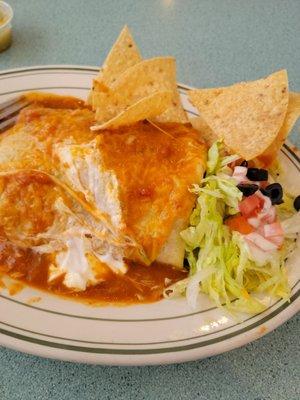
(122, 199)
(292, 114)
(126, 84)
(207, 134)
(101, 201)
(247, 115)
(147, 107)
(238, 238)
(123, 55)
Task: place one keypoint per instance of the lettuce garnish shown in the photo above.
(220, 261)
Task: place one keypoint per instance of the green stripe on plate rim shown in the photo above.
(148, 343)
(94, 350)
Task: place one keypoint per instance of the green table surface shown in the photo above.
(217, 43)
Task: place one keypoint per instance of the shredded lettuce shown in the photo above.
(220, 261)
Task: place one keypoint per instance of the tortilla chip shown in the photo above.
(247, 115)
(293, 113)
(99, 86)
(123, 55)
(204, 97)
(146, 108)
(175, 113)
(137, 82)
(125, 79)
(206, 133)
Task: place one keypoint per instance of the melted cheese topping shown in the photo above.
(154, 171)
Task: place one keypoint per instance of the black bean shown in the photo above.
(274, 191)
(247, 188)
(244, 164)
(257, 174)
(297, 203)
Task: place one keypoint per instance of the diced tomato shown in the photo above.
(267, 204)
(251, 205)
(240, 224)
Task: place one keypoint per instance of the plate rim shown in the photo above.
(237, 341)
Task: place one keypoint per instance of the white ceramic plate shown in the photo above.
(159, 333)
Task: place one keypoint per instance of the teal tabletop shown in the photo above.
(215, 42)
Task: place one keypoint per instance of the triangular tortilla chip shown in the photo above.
(146, 108)
(125, 79)
(124, 54)
(137, 82)
(293, 113)
(247, 115)
(204, 97)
